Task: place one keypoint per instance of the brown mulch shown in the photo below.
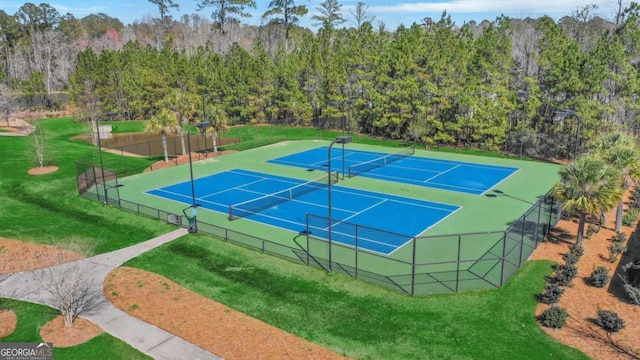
(43, 170)
(56, 332)
(18, 256)
(215, 327)
(8, 322)
(582, 301)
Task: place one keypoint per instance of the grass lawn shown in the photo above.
(32, 316)
(347, 316)
(361, 320)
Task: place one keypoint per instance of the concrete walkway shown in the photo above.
(147, 338)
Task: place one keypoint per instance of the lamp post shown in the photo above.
(523, 95)
(193, 228)
(565, 113)
(339, 140)
(340, 105)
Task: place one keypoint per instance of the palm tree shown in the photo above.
(587, 186)
(218, 119)
(162, 123)
(620, 151)
(184, 107)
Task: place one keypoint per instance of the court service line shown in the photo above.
(441, 173)
(364, 210)
(229, 189)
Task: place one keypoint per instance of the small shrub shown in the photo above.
(599, 277)
(630, 217)
(609, 321)
(554, 317)
(576, 249)
(633, 293)
(570, 259)
(592, 229)
(615, 250)
(565, 273)
(635, 198)
(551, 294)
(619, 237)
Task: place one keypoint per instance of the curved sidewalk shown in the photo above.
(141, 335)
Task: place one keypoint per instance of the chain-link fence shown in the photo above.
(425, 265)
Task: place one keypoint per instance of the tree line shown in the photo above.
(493, 85)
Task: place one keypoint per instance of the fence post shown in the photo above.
(458, 262)
(536, 234)
(504, 246)
(522, 230)
(356, 271)
(413, 268)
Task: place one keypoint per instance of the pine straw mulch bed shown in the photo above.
(234, 335)
(16, 256)
(582, 301)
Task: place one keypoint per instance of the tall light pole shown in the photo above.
(565, 113)
(340, 105)
(193, 227)
(339, 140)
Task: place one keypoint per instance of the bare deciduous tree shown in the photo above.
(7, 102)
(38, 141)
(68, 286)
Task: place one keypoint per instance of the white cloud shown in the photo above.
(81, 10)
(493, 6)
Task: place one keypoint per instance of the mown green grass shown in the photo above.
(32, 316)
(345, 315)
(47, 209)
(360, 320)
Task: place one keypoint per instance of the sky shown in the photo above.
(391, 12)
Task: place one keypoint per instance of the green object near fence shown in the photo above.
(478, 247)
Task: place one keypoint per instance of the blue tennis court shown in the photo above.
(398, 218)
(435, 173)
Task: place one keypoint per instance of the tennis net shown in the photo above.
(366, 166)
(262, 203)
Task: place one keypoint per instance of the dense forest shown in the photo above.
(492, 84)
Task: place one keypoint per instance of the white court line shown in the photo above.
(442, 173)
(364, 210)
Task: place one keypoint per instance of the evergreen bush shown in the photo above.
(554, 317)
(609, 321)
(630, 217)
(576, 249)
(551, 294)
(592, 229)
(570, 259)
(565, 273)
(599, 277)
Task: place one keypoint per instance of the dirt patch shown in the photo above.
(582, 301)
(56, 332)
(197, 319)
(18, 256)
(43, 170)
(8, 322)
